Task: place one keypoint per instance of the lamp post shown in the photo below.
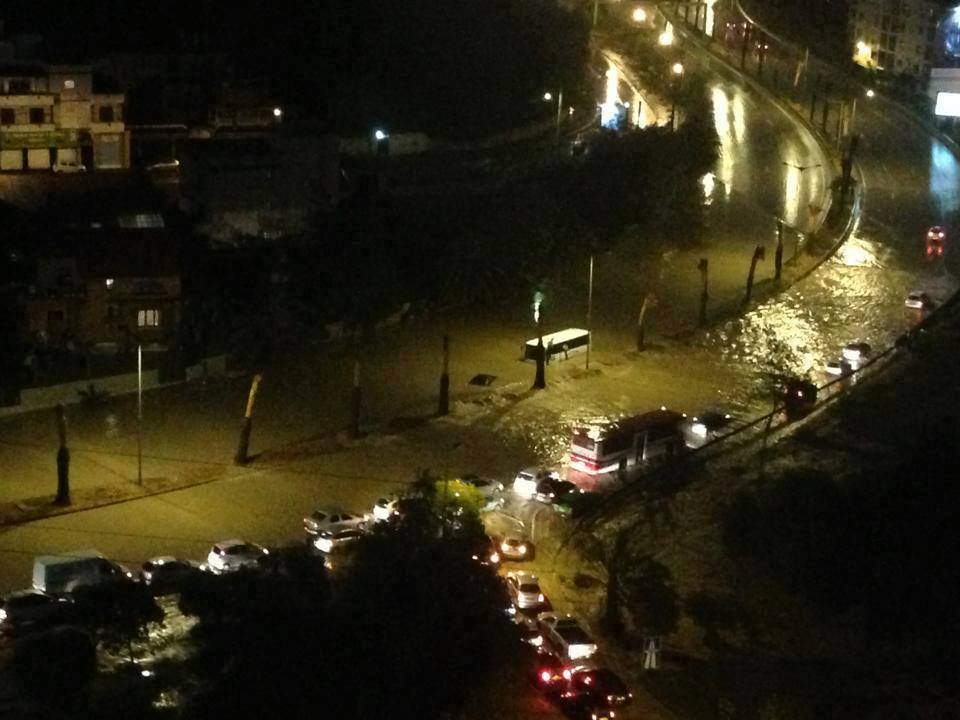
(589, 310)
(139, 414)
(540, 379)
(762, 48)
(677, 70)
(548, 96)
(759, 254)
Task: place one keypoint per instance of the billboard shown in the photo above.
(948, 104)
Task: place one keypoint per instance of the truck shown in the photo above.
(565, 636)
(65, 573)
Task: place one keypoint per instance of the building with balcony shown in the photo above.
(897, 36)
(50, 115)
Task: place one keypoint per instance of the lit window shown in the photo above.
(148, 318)
(109, 283)
(69, 84)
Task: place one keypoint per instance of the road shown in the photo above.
(910, 182)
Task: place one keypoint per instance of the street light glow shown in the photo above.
(677, 68)
(666, 37)
(870, 93)
(379, 135)
(548, 96)
(277, 112)
(639, 15)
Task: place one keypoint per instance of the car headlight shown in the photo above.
(495, 558)
(504, 547)
(3, 614)
(522, 549)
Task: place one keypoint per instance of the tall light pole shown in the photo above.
(589, 310)
(540, 379)
(548, 96)
(139, 414)
(677, 70)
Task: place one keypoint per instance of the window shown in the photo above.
(8, 116)
(105, 113)
(19, 85)
(36, 116)
(109, 282)
(148, 318)
(69, 84)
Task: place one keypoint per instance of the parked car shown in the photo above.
(565, 636)
(838, 367)
(936, 238)
(550, 488)
(918, 300)
(34, 608)
(705, 426)
(529, 630)
(166, 574)
(69, 167)
(169, 164)
(334, 538)
(327, 518)
(492, 490)
(385, 508)
(525, 591)
(526, 481)
(856, 352)
(596, 687)
(551, 672)
(485, 551)
(515, 547)
(231, 555)
(65, 573)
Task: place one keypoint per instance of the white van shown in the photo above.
(65, 573)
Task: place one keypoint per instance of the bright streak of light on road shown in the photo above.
(791, 195)
(721, 121)
(857, 252)
(709, 182)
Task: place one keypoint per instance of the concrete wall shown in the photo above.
(68, 393)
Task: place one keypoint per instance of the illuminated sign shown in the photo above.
(948, 104)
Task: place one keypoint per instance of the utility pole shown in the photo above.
(356, 396)
(540, 378)
(63, 460)
(759, 254)
(589, 311)
(559, 114)
(243, 446)
(139, 414)
(778, 254)
(703, 267)
(443, 407)
(847, 168)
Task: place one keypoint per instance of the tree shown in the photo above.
(55, 667)
(118, 610)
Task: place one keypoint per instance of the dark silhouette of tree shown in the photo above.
(54, 668)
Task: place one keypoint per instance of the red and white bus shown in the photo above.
(620, 444)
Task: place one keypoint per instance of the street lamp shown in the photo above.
(677, 69)
(666, 37)
(639, 15)
(547, 97)
(278, 113)
(139, 414)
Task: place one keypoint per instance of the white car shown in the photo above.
(231, 555)
(526, 481)
(565, 636)
(918, 300)
(385, 508)
(69, 166)
(525, 590)
(330, 540)
(856, 352)
(492, 490)
(515, 547)
(327, 518)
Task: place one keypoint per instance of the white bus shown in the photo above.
(628, 442)
(559, 345)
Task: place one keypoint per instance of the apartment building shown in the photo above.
(50, 117)
(896, 36)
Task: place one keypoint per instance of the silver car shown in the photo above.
(525, 590)
(231, 555)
